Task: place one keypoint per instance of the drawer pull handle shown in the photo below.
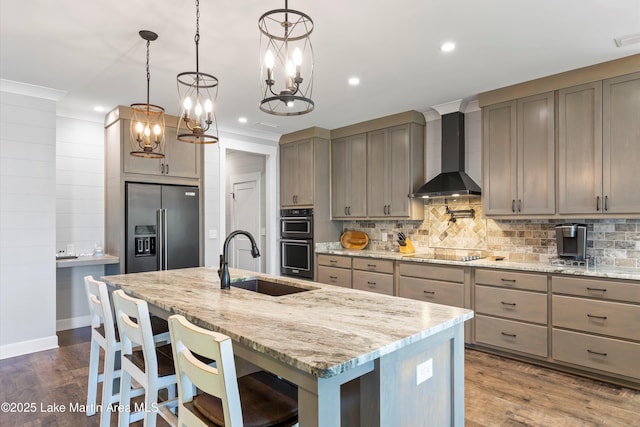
(371, 265)
(596, 352)
(597, 289)
(333, 261)
(430, 292)
(371, 284)
(333, 277)
(509, 280)
(508, 335)
(511, 304)
(593, 316)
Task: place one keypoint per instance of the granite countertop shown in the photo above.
(591, 271)
(323, 332)
(87, 260)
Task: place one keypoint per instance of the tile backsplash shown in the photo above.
(614, 242)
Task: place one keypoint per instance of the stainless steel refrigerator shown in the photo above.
(162, 223)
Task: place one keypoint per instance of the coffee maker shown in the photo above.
(572, 241)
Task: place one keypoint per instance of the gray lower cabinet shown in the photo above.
(432, 283)
(512, 311)
(334, 270)
(373, 275)
(596, 324)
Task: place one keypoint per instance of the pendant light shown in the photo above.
(198, 92)
(287, 62)
(147, 120)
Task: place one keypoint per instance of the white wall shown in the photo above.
(79, 212)
(27, 218)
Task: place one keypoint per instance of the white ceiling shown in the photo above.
(92, 51)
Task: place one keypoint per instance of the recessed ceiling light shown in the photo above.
(627, 40)
(354, 81)
(98, 108)
(242, 119)
(447, 47)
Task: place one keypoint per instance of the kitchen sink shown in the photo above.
(268, 288)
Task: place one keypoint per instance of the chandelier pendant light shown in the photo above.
(286, 62)
(198, 92)
(147, 120)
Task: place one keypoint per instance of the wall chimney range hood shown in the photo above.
(453, 181)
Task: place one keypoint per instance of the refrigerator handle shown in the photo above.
(165, 248)
(159, 239)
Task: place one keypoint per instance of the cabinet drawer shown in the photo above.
(601, 317)
(523, 337)
(435, 291)
(518, 305)
(602, 289)
(373, 282)
(373, 264)
(509, 279)
(334, 260)
(334, 276)
(605, 354)
(435, 272)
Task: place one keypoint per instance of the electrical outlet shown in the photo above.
(213, 233)
(383, 237)
(424, 371)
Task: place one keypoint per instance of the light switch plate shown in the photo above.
(213, 233)
(424, 371)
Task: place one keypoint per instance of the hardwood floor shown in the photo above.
(498, 391)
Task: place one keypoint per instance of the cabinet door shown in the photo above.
(339, 178)
(398, 167)
(288, 174)
(377, 173)
(580, 149)
(499, 158)
(181, 158)
(357, 175)
(304, 195)
(133, 164)
(621, 144)
(536, 155)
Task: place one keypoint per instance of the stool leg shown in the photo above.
(107, 387)
(92, 386)
(125, 399)
(150, 406)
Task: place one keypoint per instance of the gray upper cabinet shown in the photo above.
(580, 149)
(181, 159)
(621, 144)
(297, 174)
(349, 177)
(599, 147)
(519, 157)
(392, 172)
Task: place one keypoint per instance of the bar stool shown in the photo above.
(105, 335)
(257, 399)
(150, 366)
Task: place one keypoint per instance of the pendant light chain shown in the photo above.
(148, 74)
(196, 38)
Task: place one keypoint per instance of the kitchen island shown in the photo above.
(359, 357)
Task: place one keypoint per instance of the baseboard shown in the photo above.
(26, 347)
(73, 323)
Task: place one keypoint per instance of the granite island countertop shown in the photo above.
(597, 271)
(324, 331)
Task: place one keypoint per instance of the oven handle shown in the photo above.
(295, 218)
(305, 241)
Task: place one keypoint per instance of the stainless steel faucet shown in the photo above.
(223, 272)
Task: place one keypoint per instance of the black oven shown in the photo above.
(296, 243)
(296, 258)
(296, 223)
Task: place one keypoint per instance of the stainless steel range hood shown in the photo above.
(453, 180)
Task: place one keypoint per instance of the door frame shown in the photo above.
(270, 199)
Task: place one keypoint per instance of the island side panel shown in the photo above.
(423, 384)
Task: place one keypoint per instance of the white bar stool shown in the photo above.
(150, 366)
(257, 399)
(105, 335)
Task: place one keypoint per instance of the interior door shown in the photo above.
(245, 211)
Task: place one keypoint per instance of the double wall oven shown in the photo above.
(296, 243)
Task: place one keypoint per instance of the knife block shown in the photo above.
(408, 249)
